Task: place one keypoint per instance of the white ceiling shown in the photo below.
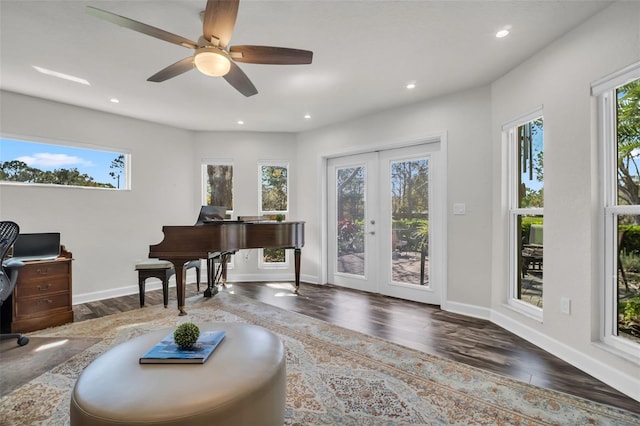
(365, 52)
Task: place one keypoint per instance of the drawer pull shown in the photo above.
(44, 271)
(49, 301)
(44, 288)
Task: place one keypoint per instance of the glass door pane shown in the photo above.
(410, 221)
(350, 217)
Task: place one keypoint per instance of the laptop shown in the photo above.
(40, 246)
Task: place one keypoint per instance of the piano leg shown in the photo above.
(297, 253)
(224, 259)
(178, 264)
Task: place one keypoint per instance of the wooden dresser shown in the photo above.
(41, 297)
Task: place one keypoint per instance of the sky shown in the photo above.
(49, 157)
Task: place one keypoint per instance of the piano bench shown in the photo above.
(162, 270)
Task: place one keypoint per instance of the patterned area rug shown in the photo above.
(334, 376)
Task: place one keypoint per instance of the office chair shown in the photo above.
(9, 271)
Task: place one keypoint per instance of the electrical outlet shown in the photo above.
(565, 305)
(246, 254)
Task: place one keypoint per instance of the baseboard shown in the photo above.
(78, 299)
(468, 310)
(191, 277)
(617, 379)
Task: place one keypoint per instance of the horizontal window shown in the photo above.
(32, 162)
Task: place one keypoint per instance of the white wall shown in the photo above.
(559, 78)
(465, 120)
(106, 230)
(245, 150)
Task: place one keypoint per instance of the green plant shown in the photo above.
(630, 318)
(279, 217)
(186, 335)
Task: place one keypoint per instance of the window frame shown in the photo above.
(204, 176)
(270, 163)
(604, 90)
(513, 211)
(203, 193)
(72, 145)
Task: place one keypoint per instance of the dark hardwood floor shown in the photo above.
(474, 342)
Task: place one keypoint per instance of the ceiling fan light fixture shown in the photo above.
(212, 61)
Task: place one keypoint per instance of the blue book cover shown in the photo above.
(167, 352)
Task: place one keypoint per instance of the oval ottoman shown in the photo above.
(242, 383)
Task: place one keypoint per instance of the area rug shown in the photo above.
(334, 376)
(20, 364)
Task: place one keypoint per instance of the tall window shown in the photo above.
(619, 103)
(32, 162)
(526, 218)
(274, 203)
(218, 184)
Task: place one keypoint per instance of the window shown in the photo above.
(274, 203)
(619, 133)
(217, 185)
(30, 162)
(525, 139)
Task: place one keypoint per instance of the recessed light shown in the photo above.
(411, 85)
(240, 122)
(115, 101)
(502, 33)
(307, 116)
(61, 75)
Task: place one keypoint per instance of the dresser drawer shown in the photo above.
(41, 287)
(42, 304)
(37, 271)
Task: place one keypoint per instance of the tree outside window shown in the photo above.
(219, 185)
(274, 202)
(31, 162)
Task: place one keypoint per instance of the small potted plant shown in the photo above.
(186, 335)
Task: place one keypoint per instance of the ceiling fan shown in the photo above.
(212, 55)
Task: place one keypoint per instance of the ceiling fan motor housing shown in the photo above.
(212, 61)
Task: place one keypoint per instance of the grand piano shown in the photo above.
(184, 243)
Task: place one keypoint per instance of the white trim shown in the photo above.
(150, 285)
(513, 211)
(615, 378)
(473, 311)
(605, 90)
(615, 79)
(524, 118)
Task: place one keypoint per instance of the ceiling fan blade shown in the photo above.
(238, 79)
(270, 55)
(173, 70)
(219, 20)
(141, 28)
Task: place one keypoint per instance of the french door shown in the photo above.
(386, 222)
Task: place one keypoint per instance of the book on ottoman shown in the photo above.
(167, 352)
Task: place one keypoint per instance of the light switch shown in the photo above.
(459, 208)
